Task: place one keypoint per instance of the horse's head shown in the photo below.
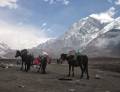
(63, 56)
(18, 53)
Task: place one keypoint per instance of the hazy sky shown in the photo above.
(27, 23)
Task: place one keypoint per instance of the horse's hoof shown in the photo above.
(73, 75)
(43, 72)
(88, 78)
(81, 77)
(68, 75)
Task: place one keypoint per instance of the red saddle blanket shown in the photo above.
(36, 61)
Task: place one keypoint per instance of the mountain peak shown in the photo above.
(102, 18)
(85, 26)
(80, 34)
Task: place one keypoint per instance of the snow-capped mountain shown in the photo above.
(82, 32)
(77, 37)
(4, 48)
(106, 45)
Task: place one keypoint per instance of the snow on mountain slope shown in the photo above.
(106, 45)
(77, 37)
(82, 32)
(113, 25)
(3, 49)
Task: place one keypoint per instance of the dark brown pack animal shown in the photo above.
(76, 60)
(27, 59)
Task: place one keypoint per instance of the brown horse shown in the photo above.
(77, 60)
(27, 59)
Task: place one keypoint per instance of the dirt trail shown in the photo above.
(13, 80)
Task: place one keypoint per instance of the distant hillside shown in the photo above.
(106, 45)
(4, 48)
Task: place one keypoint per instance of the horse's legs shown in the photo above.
(61, 61)
(28, 67)
(72, 70)
(41, 68)
(82, 71)
(21, 66)
(87, 72)
(69, 70)
(44, 67)
(81, 75)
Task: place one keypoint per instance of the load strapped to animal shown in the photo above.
(37, 61)
(44, 59)
(74, 55)
(73, 52)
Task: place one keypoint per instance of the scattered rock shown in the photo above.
(72, 90)
(97, 76)
(6, 67)
(21, 86)
(68, 79)
(107, 91)
(10, 65)
(77, 82)
(2, 65)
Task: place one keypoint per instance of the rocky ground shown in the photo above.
(101, 79)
